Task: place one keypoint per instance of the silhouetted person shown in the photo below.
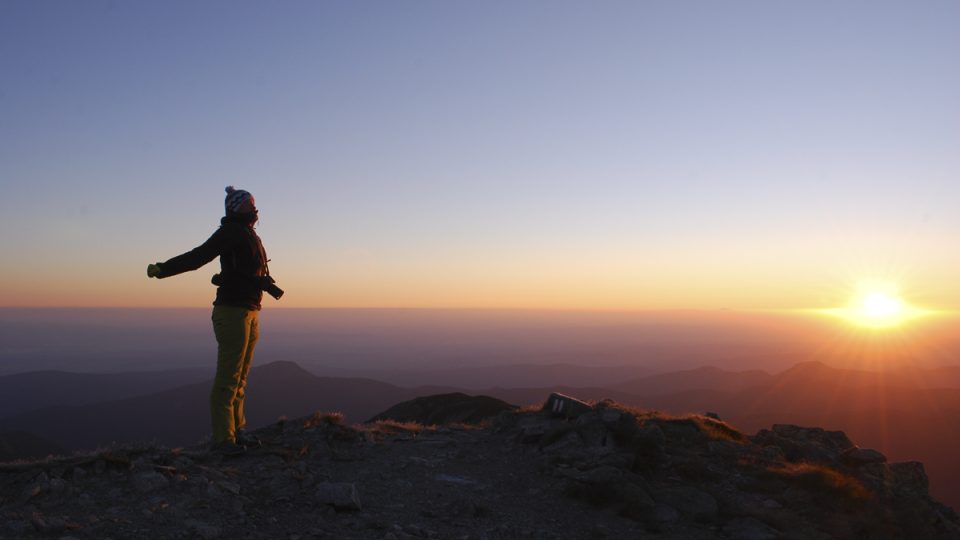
(240, 284)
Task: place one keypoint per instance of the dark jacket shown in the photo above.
(242, 262)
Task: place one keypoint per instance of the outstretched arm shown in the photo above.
(195, 258)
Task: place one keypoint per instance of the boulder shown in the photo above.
(649, 446)
(725, 449)
(805, 444)
(18, 527)
(461, 507)
(283, 487)
(610, 416)
(857, 456)
(453, 479)
(200, 529)
(652, 434)
(569, 442)
(749, 528)
(603, 475)
(340, 495)
(48, 525)
(625, 428)
(683, 431)
(150, 481)
(636, 501)
(689, 501)
(531, 428)
(593, 430)
(910, 476)
(665, 514)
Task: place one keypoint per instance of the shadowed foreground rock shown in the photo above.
(610, 472)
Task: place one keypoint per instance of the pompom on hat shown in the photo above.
(239, 201)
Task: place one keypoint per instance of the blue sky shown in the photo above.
(538, 154)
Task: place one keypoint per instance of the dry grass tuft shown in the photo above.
(617, 406)
(321, 418)
(461, 426)
(392, 427)
(642, 415)
(532, 407)
(711, 428)
(822, 479)
(717, 430)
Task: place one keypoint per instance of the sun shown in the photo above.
(880, 306)
(877, 305)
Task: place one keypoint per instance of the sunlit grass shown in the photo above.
(821, 479)
(393, 427)
(321, 418)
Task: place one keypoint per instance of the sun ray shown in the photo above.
(877, 305)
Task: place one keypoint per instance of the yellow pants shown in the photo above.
(237, 331)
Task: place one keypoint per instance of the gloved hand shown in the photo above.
(153, 270)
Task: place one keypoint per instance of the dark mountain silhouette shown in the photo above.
(24, 392)
(443, 409)
(181, 415)
(535, 395)
(23, 445)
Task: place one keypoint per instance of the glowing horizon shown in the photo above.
(878, 305)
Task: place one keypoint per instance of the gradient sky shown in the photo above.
(637, 155)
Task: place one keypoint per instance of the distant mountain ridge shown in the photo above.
(481, 377)
(702, 378)
(22, 445)
(23, 392)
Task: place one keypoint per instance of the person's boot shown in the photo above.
(227, 448)
(247, 440)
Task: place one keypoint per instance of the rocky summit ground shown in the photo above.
(605, 471)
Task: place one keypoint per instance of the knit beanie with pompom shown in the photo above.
(239, 201)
